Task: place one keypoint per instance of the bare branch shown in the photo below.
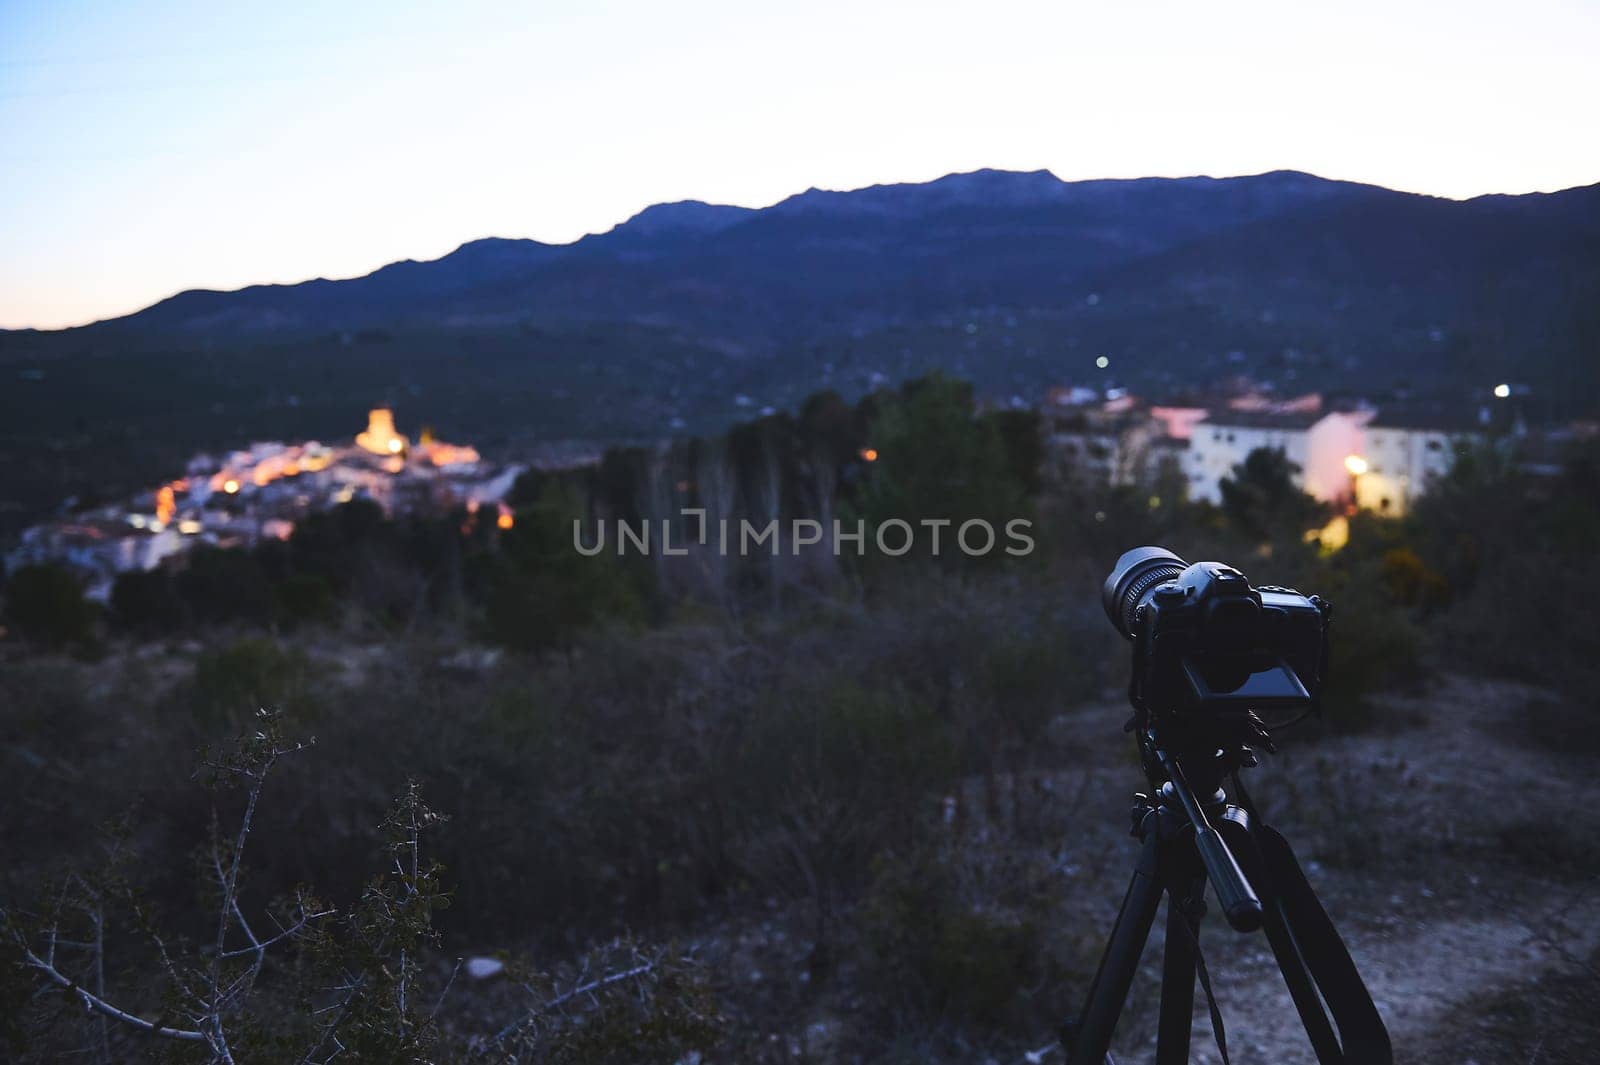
(260, 947)
(586, 989)
(100, 1005)
(448, 984)
(99, 919)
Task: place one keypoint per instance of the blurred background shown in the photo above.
(323, 330)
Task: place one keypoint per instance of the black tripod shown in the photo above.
(1258, 884)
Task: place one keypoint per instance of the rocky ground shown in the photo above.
(1453, 845)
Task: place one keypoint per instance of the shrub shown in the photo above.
(1531, 615)
(300, 980)
(245, 676)
(939, 946)
(222, 586)
(1375, 646)
(146, 602)
(301, 598)
(1410, 581)
(46, 604)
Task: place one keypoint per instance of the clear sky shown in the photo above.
(155, 146)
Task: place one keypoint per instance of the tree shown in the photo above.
(831, 433)
(46, 604)
(539, 591)
(934, 461)
(1024, 445)
(145, 601)
(225, 585)
(253, 672)
(333, 542)
(1262, 501)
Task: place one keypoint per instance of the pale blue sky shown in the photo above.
(154, 146)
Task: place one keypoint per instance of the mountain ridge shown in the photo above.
(1181, 280)
(473, 262)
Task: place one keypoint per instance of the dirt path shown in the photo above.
(1447, 862)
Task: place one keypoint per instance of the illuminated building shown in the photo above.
(1316, 443)
(1402, 452)
(380, 437)
(441, 454)
(261, 493)
(1380, 460)
(166, 504)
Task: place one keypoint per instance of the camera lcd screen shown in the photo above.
(1236, 683)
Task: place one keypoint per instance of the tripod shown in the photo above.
(1258, 883)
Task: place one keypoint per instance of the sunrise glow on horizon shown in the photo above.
(174, 145)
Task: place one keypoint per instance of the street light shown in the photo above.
(1502, 391)
(1356, 466)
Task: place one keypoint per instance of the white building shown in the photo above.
(1383, 461)
(1402, 452)
(1316, 443)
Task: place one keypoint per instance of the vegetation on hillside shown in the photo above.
(613, 772)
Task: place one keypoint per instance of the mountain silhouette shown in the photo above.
(1341, 263)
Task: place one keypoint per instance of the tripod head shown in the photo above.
(1238, 899)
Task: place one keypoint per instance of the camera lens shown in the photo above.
(1136, 574)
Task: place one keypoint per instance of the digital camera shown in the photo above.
(1206, 642)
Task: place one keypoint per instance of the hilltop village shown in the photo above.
(241, 498)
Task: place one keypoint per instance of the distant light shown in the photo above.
(395, 445)
(1102, 362)
(1155, 502)
(505, 520)
(1099, 515)
(1355, 464)
(1502, 391)
(188, 526)
(869, 454)
(230, 486)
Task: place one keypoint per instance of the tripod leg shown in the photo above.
(1121, 959)
(1291, 963)
(1178, 969)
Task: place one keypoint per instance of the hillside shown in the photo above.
(1339, 255)
(690, 315)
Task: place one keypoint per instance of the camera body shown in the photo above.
(1206, 642)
